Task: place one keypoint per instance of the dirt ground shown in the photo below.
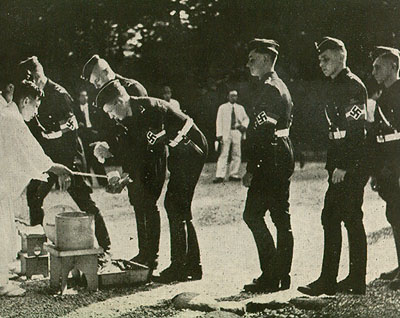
(228, 252)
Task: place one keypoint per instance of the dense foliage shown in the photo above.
(198, 47)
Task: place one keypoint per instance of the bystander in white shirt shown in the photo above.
(232, 122)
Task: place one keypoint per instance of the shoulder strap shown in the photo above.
(386, 121)
(327, 117)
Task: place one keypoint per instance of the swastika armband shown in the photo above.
(68, 125)
(152, 137)
(263, 118)
(71, 123)
(355, 112)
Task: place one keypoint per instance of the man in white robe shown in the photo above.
(21, 160)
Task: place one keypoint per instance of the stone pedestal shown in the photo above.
(34, 259)
(34, 265)
(62, 262)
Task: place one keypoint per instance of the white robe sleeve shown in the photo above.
(22, 158)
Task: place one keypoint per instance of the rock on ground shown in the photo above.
(220, 314)
(235, 307)
(195, 301)
(311, 303)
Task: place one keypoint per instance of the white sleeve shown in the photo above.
(22, 157)
(245, 119)
(218, 128)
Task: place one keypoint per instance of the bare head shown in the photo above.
(27, 96)
(83, 97)
(167, 93)
(233, 96)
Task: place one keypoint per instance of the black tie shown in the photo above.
(233, 118)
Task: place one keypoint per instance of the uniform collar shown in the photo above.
(342, 74)
(269, 75)
(394, 87)
(49, 83)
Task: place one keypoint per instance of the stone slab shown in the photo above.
(53, 251)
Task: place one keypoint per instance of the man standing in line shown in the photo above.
(345, 113)
(55, 128)
(232, 122)
(145, 165)
(269, 168)
(385, 137)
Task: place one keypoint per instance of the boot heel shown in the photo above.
(194, 272)
(285, 282)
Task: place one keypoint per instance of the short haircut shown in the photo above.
(166, 88)
(27, 89)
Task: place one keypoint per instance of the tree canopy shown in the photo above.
(193, 44)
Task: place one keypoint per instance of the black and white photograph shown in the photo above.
(200, 158)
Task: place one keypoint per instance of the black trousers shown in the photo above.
(389, 191)
(269, 190)
(87, 136)
(79, 192)
(343, 203)
(143, 193)
(185, 165)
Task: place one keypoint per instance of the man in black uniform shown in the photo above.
(90, 121)
(55, 127)
(345, 114)
(146, 166)
(269, 168)
(188, 150)
(385, 137)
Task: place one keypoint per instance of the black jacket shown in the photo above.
(56, 109)
(272, 110)
(388, 153)
(345, 111)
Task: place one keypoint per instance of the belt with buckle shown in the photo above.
(182, 133)
(282, 133)
(336, 135)
(52, 135)
(389, 137)
(181, 136)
